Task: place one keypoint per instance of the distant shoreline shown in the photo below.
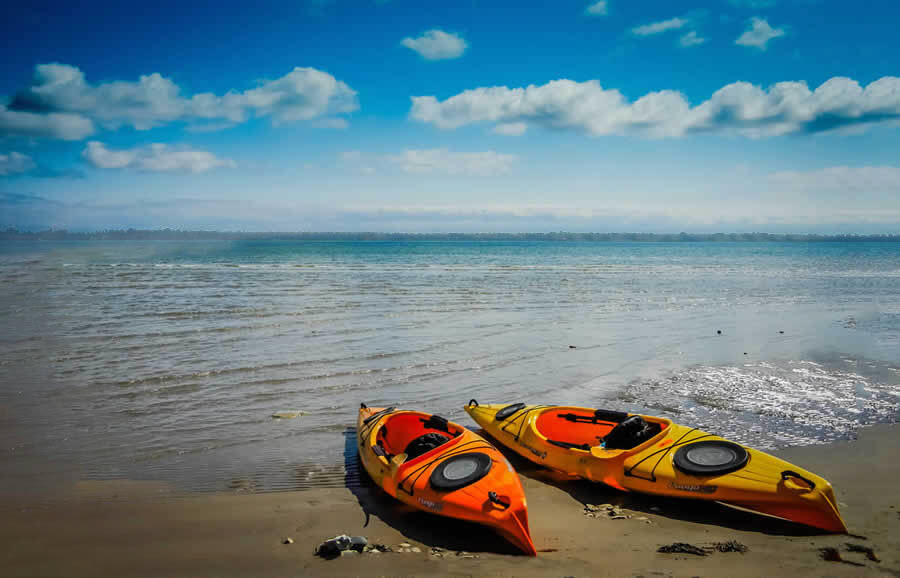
(182, 235)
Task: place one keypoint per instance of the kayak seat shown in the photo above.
(425, 443)
(630, 433)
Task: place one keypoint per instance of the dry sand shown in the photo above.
(140, 529)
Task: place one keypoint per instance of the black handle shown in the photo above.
(792, 474)
(493, 497)
(472, 402)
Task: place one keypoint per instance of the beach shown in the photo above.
(130, 528)
(180, 408)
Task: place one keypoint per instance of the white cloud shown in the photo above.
(511, 129)
(841, 179)
(61, 103)
(155, 158)
(101, 157)
(691, 39)
(15, 163)
(16, 123)
(443, 161)
(759, 34)
(437, 45)
(598, 8)
(662, 26)
(302, 94)
(738, 108)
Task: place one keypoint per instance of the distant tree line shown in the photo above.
(181, 235)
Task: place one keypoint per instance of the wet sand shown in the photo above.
(127, 528)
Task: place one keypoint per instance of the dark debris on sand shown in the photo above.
(682, 548)
(685, 548)
(730, 546)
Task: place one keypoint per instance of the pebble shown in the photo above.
(605, 510)
(348, 552)
(287, 540)
(415, 549)
(404, 545)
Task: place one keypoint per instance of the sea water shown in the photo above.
(166, 360)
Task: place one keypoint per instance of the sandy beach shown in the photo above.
(131, 528)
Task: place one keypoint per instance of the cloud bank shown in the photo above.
(437, 45)
(260, 214)
(841, 179)
(61, 103)
(739, 108)
(422, 161)
(155, 158)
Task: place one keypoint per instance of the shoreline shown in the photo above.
(132, 528)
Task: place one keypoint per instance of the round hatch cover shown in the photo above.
(710, 458)
(460, 470)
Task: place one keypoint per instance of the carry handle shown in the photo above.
(494, 498)
(792, 474)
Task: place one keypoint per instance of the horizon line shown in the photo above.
(12, 233)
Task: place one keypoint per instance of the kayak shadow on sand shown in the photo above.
(429, 529)
(686, 510)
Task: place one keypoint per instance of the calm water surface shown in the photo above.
(166, 360)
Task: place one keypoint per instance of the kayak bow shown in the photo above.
(441, 467)
(656, 456)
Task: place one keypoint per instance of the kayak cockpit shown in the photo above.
(581, 429)
(407, 437)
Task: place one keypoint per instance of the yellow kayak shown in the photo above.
(653, 455)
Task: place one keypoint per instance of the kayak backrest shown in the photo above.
(398, 430)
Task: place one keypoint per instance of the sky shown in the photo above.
(463, 116)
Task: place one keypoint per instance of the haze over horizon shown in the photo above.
(388, 115)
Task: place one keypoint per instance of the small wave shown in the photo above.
(770, 405)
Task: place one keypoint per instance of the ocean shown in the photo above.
(166, 360)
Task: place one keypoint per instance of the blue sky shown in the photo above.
(724, 115)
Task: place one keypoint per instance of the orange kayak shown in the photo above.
(441, 467)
